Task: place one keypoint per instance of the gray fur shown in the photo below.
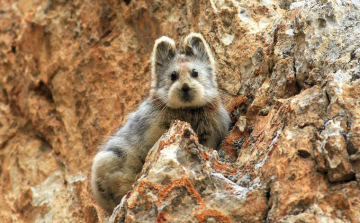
(191, 99)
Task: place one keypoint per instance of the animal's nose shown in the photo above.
(185, 88)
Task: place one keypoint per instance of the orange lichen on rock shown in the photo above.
(161, 218)
(146, 184)
(205, 155)
(224, 167)
(281, 26)
(143, 185)
(162, 145)
(229, 187)
(219, 217)
(194, 138)
(134, 204)
(228, 145)
(236, 102)
(182, 182)
(181, 129)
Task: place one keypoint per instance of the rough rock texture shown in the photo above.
(289, 71)
(184, 181)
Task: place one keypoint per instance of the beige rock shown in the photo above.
(183, 181)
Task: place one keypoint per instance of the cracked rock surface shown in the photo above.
(289, 74)
(184, 181)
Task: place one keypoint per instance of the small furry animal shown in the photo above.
(183, 87)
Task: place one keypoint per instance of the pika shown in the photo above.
(183, 87)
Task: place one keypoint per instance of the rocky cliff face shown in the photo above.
(71, 70)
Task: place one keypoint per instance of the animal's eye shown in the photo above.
(194, 73)
(174, 76)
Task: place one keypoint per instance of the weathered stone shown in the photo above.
(305, 142)
(337, 159)
(183, 181)
(283, 81)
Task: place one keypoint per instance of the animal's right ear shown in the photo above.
(164, 50)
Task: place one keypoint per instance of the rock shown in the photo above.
(335, 154)
(289, 73)
(184, 181)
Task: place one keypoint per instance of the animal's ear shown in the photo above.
(195, 45)
(164, 50)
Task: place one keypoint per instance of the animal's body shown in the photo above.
(183, 87)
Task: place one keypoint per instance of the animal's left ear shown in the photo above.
(195, 45)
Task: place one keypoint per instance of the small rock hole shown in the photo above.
(304, 153)
(321, 22)
(187, 133)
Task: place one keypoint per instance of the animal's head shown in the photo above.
(186, 79)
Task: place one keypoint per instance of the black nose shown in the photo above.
(185, 88)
